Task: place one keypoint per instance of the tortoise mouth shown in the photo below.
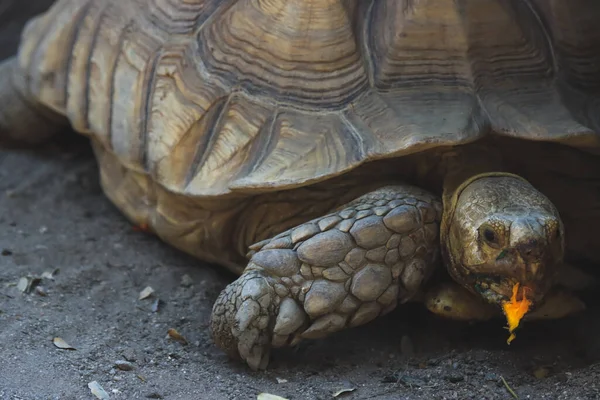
(498, 290)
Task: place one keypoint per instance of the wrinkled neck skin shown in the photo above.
(497, 229)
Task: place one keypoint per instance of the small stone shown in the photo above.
(62, 344)
(129, 354)
(491, 376)
(124, 365)
(147, 292)
(98, 391)
(186, 280)
(454, 378)
(156, 305)
(41, 291)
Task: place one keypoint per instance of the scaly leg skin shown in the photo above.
(22, 119)
(335, 272)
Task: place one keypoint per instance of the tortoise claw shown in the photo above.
(242, 319)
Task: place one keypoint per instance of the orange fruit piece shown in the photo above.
(515, 310)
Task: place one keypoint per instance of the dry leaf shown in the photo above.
(269, 396)
(155, 305)
(50, 274)
(173, 334)
(61, 344)
(541, 372)
(40, 290)
(342, 391)
(27, 283)
(147, 292)
(124, 365)
(98, 391)
(23, 284)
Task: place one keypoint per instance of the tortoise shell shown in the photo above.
(211, 97)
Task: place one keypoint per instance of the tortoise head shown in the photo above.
(499, 231)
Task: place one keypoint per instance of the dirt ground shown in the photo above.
(53, 215)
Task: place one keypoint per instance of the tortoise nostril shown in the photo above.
(530, 249)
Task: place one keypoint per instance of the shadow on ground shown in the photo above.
(54, 215)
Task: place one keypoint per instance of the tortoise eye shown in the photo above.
(490, 235)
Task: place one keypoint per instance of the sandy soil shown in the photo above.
(53, 215)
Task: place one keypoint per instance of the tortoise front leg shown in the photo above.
(332, 273)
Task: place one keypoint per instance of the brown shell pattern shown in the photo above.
(216, 96)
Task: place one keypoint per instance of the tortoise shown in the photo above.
(340, 157)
